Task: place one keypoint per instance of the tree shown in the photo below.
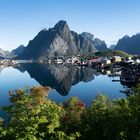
(33, 116)
(73, 111)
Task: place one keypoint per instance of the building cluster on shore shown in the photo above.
(77, 61)
(93, 61)
(7, 62)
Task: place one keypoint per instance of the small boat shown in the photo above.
(115, 80)
(114, 75)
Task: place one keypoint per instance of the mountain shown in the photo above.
(128, 44)
(18, 50)
(99, 44)
(87, 35)
(57, 41)
(4, 54)
(112, 47)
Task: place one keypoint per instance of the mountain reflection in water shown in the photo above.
(59, 77)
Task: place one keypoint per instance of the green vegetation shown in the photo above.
(35, 117)
(112, 53)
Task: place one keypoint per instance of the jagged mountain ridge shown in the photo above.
(18, 50)
(4, 54)
(99, 44)
(128, 44)
(10, 54)
(57, 41)
(112, 47)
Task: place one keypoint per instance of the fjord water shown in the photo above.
(65, 82)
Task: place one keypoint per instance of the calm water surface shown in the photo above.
(65, 81)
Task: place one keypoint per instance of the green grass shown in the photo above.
(112, 53)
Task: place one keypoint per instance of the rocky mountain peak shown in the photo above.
(87, 35)
(57, 41)
(62, 26)
(99, 44)
(18, 50)
(126, 37)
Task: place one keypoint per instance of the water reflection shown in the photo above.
(59, 77)
(65, 81)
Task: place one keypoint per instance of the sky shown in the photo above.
(109, 20)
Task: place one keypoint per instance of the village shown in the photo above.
(7, 63)
(94, 62)
(103, 61)
(77, 61)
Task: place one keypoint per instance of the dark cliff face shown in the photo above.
(112, 47)
(99, 44)
(87, 35)
(57, 41)
(128, 44)
(84, 46)
(58, 77)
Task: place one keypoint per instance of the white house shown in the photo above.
(137, 60)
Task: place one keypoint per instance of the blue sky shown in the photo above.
(109, 20)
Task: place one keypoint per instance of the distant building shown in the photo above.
(129, 58)
(72, 60)
(93, 60)
(105, 60)
(58, 61)
(137, 60)
(68, 60)
(116, 59)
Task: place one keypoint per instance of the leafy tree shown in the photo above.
(33, 116)
(71, 119)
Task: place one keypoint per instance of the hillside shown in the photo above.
(112, 53)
